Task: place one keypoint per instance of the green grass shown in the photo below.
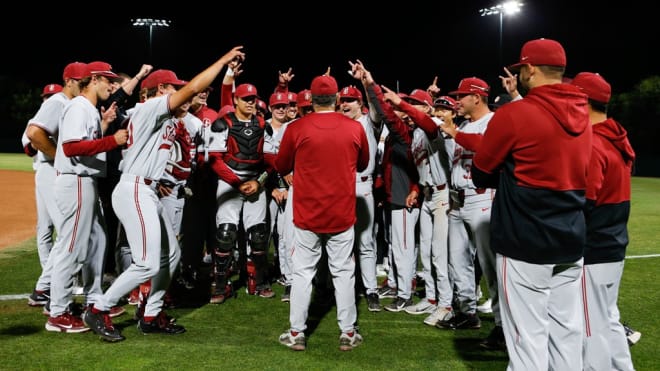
(15, 161)
(242, 333)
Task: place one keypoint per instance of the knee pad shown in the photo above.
(258, 235)
(226, 236)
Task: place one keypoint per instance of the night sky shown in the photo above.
(404, 46)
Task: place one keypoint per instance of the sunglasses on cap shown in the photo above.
(443, 102)
(251, 99)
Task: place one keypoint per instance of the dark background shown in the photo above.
(404, 44)
(410, 42)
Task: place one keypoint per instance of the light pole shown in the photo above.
(151, 23)
(506, 8)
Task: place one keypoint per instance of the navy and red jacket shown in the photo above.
(608, 194)
(536, 153)
(399, 171)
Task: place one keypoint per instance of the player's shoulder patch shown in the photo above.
(219, 125)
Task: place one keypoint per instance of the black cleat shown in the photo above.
(495, 340)
(102, 325)
(160, 325)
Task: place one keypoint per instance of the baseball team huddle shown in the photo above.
(533, 196)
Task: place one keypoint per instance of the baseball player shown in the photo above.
(304, 107)
(402, 189)
(241, 168)
(198, 224)
(153, 244)
(324, 168)
(351, 104)
(79, 161)
(39, 140)
(171, 185)
(469, 218)
(431, 153)
(277, 186)
(606, 212)
(538, 225)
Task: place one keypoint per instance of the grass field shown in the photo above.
(242, 333)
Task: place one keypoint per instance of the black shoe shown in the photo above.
(161, 324)
(188, 278)
(461, 321)
(398, 304)
(38, 298)
(495, 340)
(101, 324)
(373, 302)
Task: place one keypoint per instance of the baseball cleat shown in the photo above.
(162, 324)
(102, 325)
(294, 340)
(66, 322)
(373, 303)
(349, 340)
(38, 298)
(398, 305)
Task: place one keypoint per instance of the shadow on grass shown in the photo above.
(21, 330)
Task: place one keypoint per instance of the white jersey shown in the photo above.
(48, 119)
(178, 164)
(150, 125)
(461, 175)
(427, 156)
(80, 120)
(272, 141)
(368, 126)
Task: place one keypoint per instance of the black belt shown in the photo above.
(364, 178)
(438, 187)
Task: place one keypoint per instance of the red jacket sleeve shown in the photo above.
(89, 147)
(224, 172)
(469, 141)
(226, 95)
(421, 119)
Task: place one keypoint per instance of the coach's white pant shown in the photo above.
(305, 257)
(605, 343)
(541, 314)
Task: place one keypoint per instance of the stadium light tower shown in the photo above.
(505, 8)
(151, 23)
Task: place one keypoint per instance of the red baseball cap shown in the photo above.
(293, 97)
(74, 70)
(324, 85)
(446, 102)
(161, 77)
(51, 89)
(225, 110)
(261, 106)
(99, 68)
(246, 90)
(594, 86)
(471, 85)
(350, 92)
(541, 52)
(304, 98)
(419, 96)
(278, 98)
